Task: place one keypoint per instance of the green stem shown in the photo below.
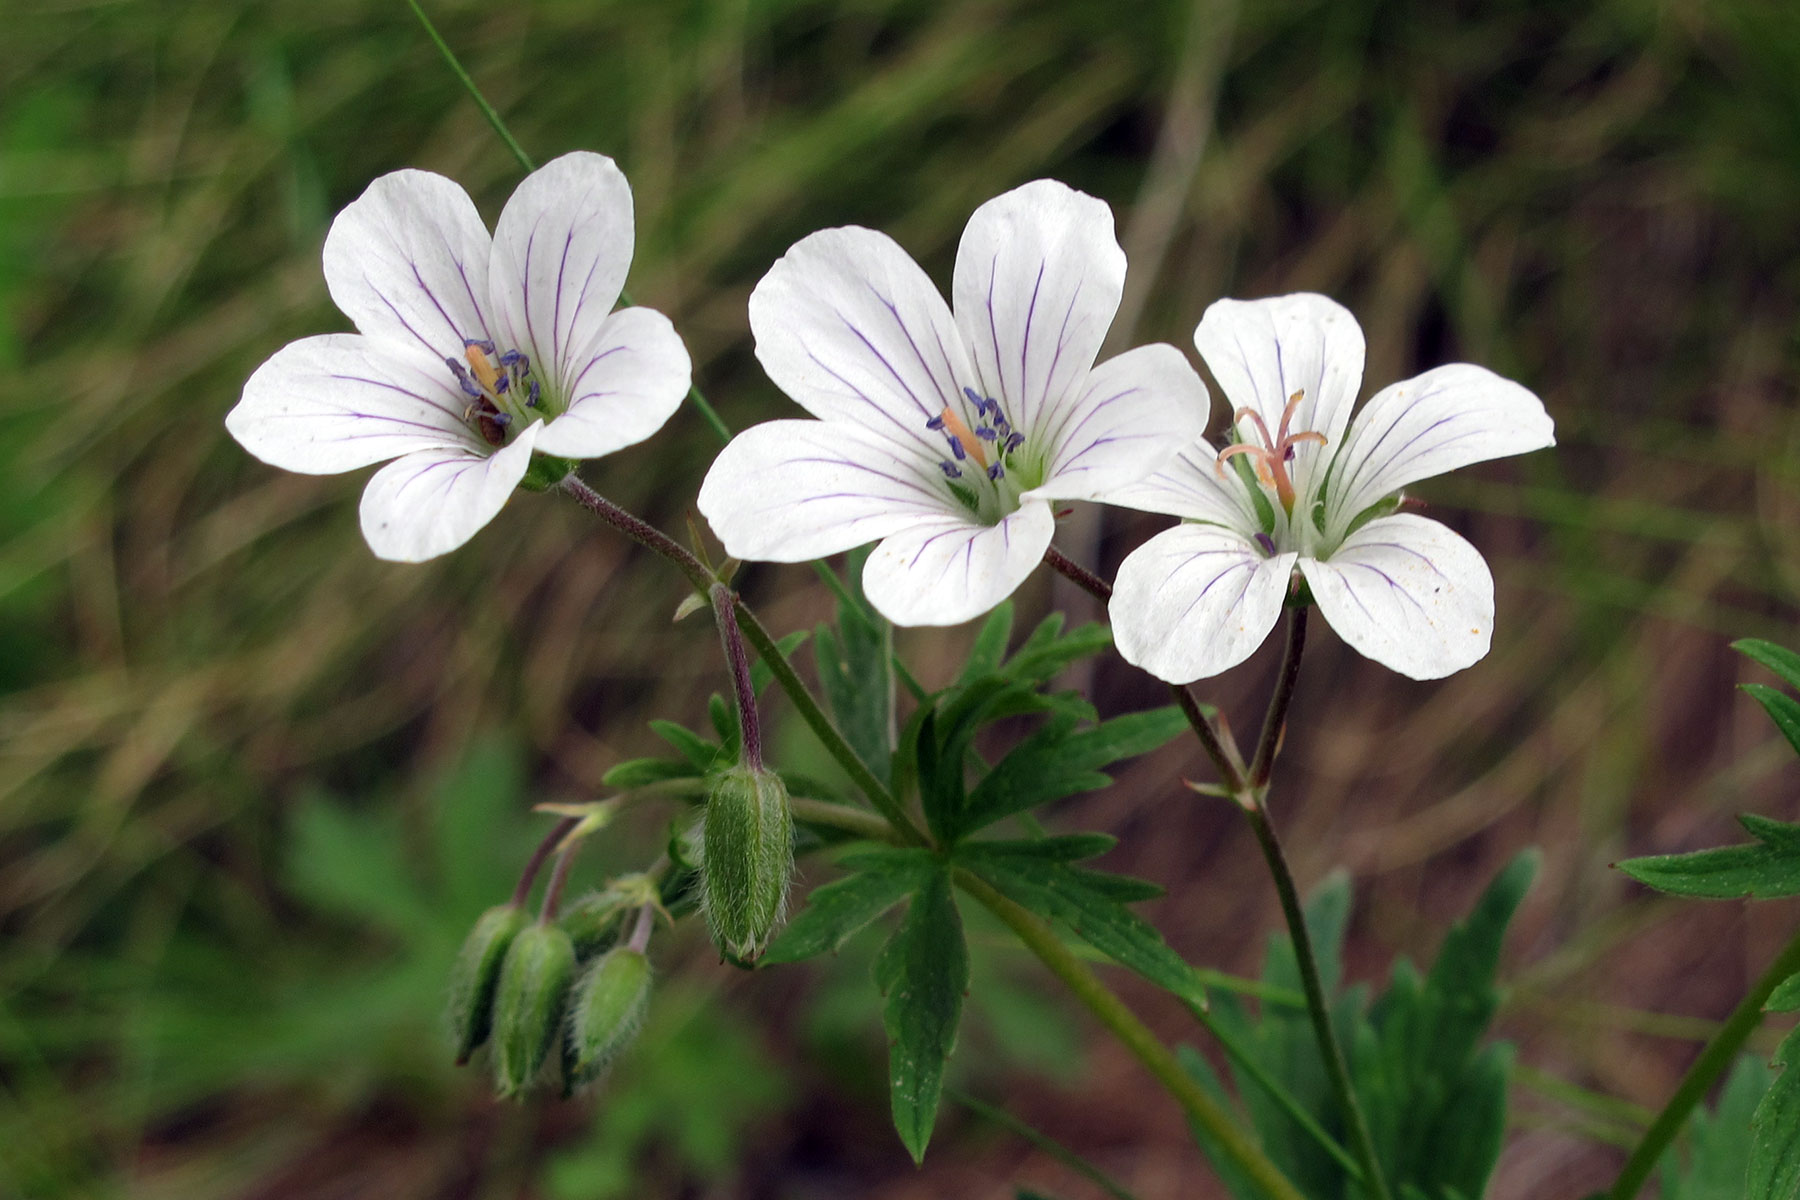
(1713, 1060)
(1044, 1142)
(1284, 1099)
(487, 110)
(1135, 1036)
(857, 821)
(1336, 1068)
(1275, 720)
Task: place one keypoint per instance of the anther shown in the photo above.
(531, 397)
(935, 423)
(996, 472)
(951, 469)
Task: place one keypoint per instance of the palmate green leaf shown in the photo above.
(1717, 1151)
(1779, 659)
(924, 972)
(1090, 903)
(836, 911)
(1761, 870)
(1056, 762)
(989, 649)
(1775, 1131)
(1048, 650)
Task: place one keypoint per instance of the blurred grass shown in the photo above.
(1596, 198)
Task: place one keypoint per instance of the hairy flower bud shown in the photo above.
(528, 1004)
(747, 858)
(605, 1010)
(477, 971)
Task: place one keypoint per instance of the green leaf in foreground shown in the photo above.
(1775, 1131)
(836, 911)
(1760, 870)
(924, 972)
(1057, 762)
(1718, 1143)
(1091, 903)
(1779, 659)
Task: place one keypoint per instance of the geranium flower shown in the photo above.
(1296, 489)
(947, 436)
(475, 352)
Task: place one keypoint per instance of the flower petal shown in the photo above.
(1038, 279)
(561, 251)
(1263, 351)
(431, 502)
(789, 491)
(1196, 600)
(635, 378)
(1192, 486)
(947, 569)
(1447, 418)
(852, 329)
(1134, 413)
(336, 402)
(1408, 593)
(408, 262)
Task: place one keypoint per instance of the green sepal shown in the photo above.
(924, 973)
(606, 1009)
(528, 1004)
(545, 472)
(476, 974)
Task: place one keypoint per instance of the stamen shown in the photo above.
(996, 472)
(1267, 543)
(960, 437)
(956, 448)
(479, 364)
(951, 469)
(986, 434)
(935, 424)
(531, 397)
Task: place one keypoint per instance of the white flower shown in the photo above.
(1297, 490)
(474, 351)
(947, 436)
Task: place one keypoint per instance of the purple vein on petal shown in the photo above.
(1393, 586)
(398, 316)
(918, 354)
(394, 387)
(1025, 342)
(575, 386)
(912, 434)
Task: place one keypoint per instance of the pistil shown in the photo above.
(1272, 457)
(494, 388)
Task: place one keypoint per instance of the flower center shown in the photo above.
(1270, 459)
(500, 389)
(991, 445)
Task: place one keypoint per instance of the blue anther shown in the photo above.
(501, 383)
(935, 423)
(485, 347)
(1267, 543)
(531, 397)
(511, 358)
(996, 472)
(951, 469)
(469, 387)
(985, 434)
(956, 448)
(502, 419)
(974, 397)
(1014, 442)
(1001, 424)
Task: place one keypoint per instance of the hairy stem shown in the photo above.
(559, 878)
(1077, 574)
(1136, 1037)
(529, 875)
(724, 606)
(856, 821)
(1275, 720)
(1699, 1079)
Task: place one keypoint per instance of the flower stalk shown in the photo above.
(724, 606)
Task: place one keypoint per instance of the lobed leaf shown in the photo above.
(924, 972)
(1056, 762)
(1761, 870)
(1774, 1172)
(838, 910)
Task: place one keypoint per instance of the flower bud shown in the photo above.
(477, 971)
(747, 858)
(592, 922)
(605, 1010)
(528, 1004)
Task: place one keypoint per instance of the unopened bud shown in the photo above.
(605, 1010)
(528, 1004)
(748, 857)
(477, 971)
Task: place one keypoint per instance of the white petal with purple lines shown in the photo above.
(635, 377)
(562, 248)
(1133, 413)
(1038, 279)
(1263, 351)
(1196, 600)
(947, 569)
(336, 402)
(1446, 418)
(1192, 486)
(408, 262)
(788, 491)
(430, 502)
(1408, 593)
(850, 327)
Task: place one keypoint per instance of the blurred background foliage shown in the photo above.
(254, 784)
